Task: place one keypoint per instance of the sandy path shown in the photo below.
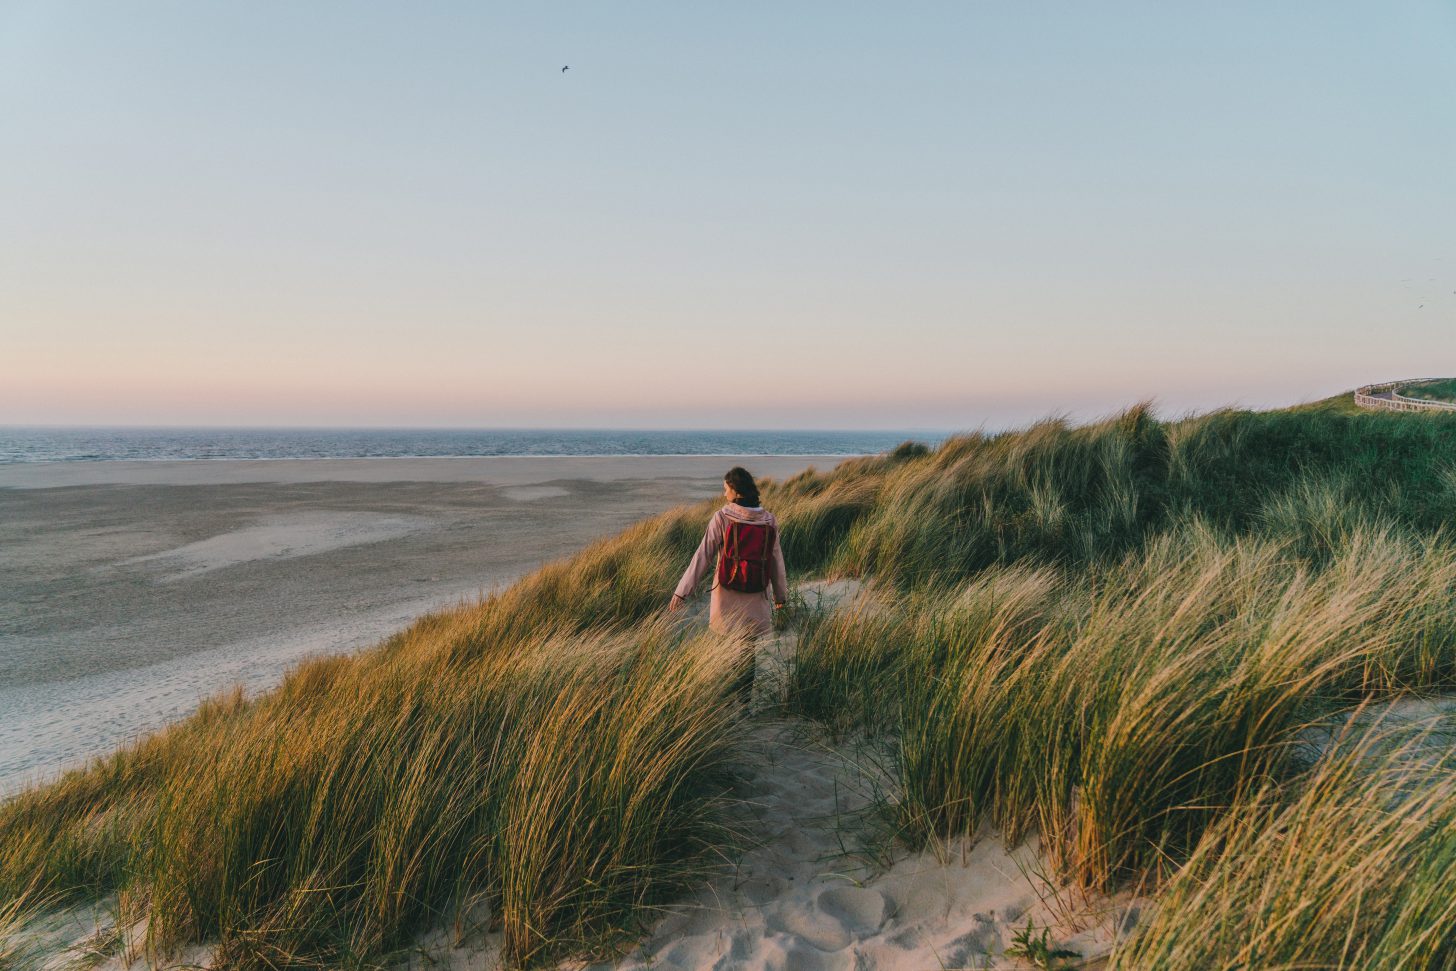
(825, 886)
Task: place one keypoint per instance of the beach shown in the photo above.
(130, 591)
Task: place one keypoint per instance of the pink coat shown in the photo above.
(730, 610)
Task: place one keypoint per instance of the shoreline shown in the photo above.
(411, 458)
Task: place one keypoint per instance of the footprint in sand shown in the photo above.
(808, 923)
(860, 910)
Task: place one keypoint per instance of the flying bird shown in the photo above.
(564, 69)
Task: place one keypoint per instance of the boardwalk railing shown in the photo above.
(1387, 396)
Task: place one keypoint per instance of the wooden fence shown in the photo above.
(1388, 397)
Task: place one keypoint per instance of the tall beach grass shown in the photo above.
(562, 783)
(1351, 865)
(1118, 710)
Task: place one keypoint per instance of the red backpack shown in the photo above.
(743, 562)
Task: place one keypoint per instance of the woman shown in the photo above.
(744, 572)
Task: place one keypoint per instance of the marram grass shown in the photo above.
(566, 782)
(1114, 635)
(1351, 865)
(1117, 711)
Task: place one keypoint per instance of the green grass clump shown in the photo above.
(1077, 495)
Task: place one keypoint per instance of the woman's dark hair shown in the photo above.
(741, 482)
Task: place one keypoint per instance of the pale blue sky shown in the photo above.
(927, 215)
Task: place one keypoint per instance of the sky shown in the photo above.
(749, 215)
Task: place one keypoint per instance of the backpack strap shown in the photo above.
(731, 542)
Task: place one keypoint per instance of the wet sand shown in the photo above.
(129, 591)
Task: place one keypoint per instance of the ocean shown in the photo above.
(79, 444)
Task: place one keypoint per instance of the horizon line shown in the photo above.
(481, 428)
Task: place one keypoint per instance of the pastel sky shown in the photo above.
(747, 215)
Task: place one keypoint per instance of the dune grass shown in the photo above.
(1439, 390)
(1112, 634)
(562, 781)
(1351, 865)
(1117, 711)
(1117, 635)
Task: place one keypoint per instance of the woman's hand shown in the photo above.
(675, 604)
